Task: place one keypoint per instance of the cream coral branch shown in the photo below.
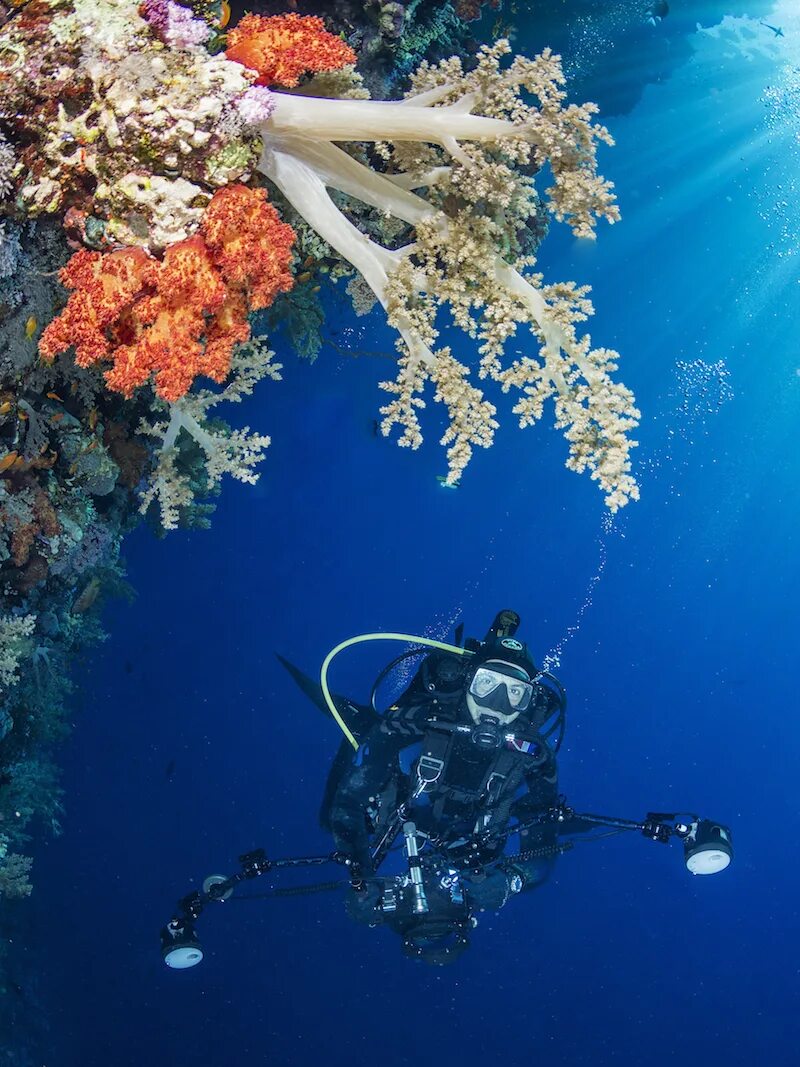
(15, 645)
(233, 452)
(459, 140)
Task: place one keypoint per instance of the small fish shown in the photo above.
(8, 460)
(316, 289)
(91, 447)
(22, 415)
(30, 327)
(59, 415)
(224, 14)
(5, 407)
(305, 276)
(93, 415)
(309, 261)
(54, 396)
(775, 29)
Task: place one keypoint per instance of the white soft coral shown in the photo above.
(457, 261)
(226, 451)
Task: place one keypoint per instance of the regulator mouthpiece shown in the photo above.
(180, 947)
(707, 848)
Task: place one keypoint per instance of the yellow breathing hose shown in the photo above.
(323, 674)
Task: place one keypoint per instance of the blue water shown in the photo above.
(678, 645)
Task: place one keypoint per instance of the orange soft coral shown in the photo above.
(167, 327)
(104, 285)
(283, 47)
(178, 318)
(249, 243)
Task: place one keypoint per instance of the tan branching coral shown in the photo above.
(460, 151)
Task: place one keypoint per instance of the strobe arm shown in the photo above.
(707, 845)
(180, 946)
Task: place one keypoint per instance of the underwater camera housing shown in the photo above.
(707, 847)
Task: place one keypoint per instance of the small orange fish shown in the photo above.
(5, 407)
(93, 418)
(316, 289)
(73, 468)
(92, 446)
(224, 14)
(309, 261)
(30, 327)
(59, 415)
(305, 276)
(73, 388)
(22, 416)
(54, 396)
(8, 460)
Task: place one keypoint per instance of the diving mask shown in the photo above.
(503, 690)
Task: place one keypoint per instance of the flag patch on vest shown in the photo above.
(518, 745)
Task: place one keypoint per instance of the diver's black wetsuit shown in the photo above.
(478, 788)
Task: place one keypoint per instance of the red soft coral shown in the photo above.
(283, 47)
(178, 318)
(105, 285)
(166, 328)
(249, 243)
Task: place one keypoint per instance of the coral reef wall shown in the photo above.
(175, 179)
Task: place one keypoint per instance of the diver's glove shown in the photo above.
(528, 875)
(363, 905)
(488, 889)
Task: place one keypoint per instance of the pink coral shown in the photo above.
(255, 105)
(176, 25)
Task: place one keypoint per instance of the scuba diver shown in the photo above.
(466, 748)
(423, 799)
(656, 12)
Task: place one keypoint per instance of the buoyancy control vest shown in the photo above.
(472, 772)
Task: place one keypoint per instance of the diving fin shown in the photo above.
(359, 718)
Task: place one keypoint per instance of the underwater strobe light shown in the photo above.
(707, 847)
(180, 947)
